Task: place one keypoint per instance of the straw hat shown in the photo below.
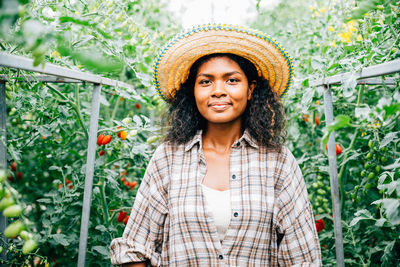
(173, 63)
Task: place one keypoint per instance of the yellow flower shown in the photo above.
(79, 66)
(77, 13)
(359, 38)
(311, 8)
(318, 44)
(322, 10)
(119, 33)
(55, 54)
(381, 21)
(333, 44)
(366, 14)
(376, 124)
(345, 36)
(331, 29)
(363, 134)
(317, 14)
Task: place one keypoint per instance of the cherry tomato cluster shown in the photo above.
(128, 184)
(11, 209)
(123, 217)
(14, 173)
(375, 158)
(69, 184)
(319, 193)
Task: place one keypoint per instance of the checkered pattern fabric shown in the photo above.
(272, 221)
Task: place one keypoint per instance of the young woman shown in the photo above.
(222, 189)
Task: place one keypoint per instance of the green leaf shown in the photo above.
(390, 137)
(341, 121)
(102, 250)
(60, 239)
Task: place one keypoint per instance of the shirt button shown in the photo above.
(233, 176)
(221, 257)
(236, 214)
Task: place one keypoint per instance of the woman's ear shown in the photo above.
(252, 85)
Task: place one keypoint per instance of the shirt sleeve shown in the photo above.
(143, 235)
(300, 244)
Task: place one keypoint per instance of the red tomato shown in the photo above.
(339, 149)
(13, 166)
(320, 225)
(106, 140)
(126, 219)
(19, 175)
(68, 181)
(137, 105)
(317, 122)
(121, 216)
(132, 184)
(100, 139)
(101, 153)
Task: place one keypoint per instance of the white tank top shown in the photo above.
(219, 203)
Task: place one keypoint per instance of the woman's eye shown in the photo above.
(233, 80)
(205, 82)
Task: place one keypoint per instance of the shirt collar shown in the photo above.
(246, 137)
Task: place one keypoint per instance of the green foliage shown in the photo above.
(324, 39)
(47, 124)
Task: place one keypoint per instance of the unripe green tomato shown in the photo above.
(368, 186)
(3, 175)
(127, 120)
(381, 191)
(320, 178)
(325, 205)
(384, 149)
(356, 187)
(14, 229)
(6, 202)
(132, 133)
(310, 196)
(383, 159)
(371, 144)
(315, 185)
(378, 168)
(358, 199)
(380, 7)
(367, 165)
(321, 191)
(362, 173)
(320, 210)
(371, 175)
(325, 200)
(369, 155)
(320, 184)
(352, 195)
(2, 191)
(29, 246)
(12, 211)
(25, 235)
(152, 139)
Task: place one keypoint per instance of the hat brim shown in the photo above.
(172, 65)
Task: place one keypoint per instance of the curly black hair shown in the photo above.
(264, 116)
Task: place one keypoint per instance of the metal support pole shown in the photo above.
(337, 220)
(3, 151)
(87, 195)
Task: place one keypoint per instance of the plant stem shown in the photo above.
(74, 106)
(115, 110)
(346, 155)
(103, 200)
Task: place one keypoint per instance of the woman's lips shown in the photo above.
(219, 106)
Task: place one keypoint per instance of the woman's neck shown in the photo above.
(220, 136)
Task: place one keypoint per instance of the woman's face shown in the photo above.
(221, 90)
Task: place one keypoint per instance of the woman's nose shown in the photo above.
(219, 89)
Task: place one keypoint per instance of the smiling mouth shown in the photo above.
(219, 106)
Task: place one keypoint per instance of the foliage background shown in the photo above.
(47, 124)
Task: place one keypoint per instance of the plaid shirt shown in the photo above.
(272, 221)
